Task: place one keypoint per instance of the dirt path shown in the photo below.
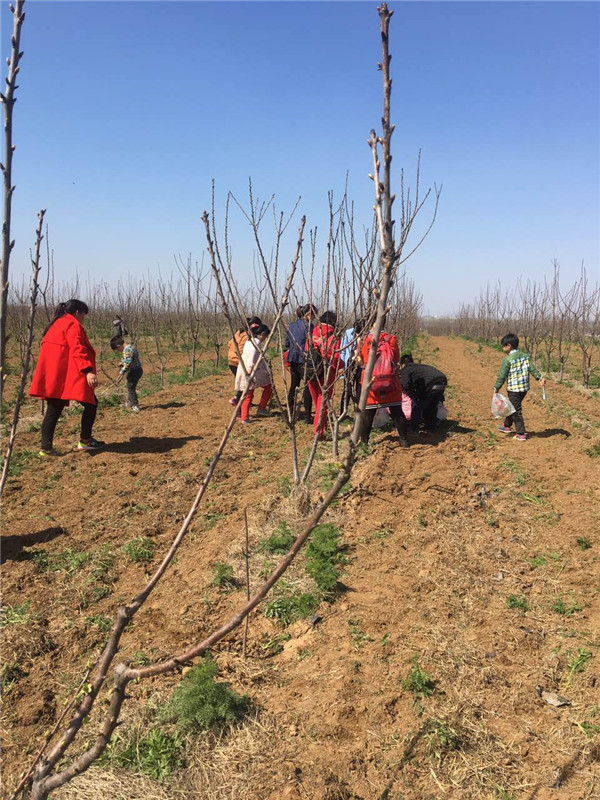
(440, 537)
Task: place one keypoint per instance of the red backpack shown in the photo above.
(385, 369)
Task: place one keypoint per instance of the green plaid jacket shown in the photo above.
(515, 370)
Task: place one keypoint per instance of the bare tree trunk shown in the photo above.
(8, 102)
(35, 265)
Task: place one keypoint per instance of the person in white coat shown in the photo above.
(262, 378)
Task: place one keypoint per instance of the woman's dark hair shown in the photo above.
(70, 307)
(309, 308)
(329, 318)
(510, 339)
(252, 321)
(116, 342)
(258, 330)
(300, 312)
(406, 359)
(359, 325)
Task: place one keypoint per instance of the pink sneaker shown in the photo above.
(520, 437)
(504, 429)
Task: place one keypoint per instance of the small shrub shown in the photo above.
(109, 400)
(289, 608)
(279, 541)
(223, 576)
(157, 754)
(324, 555)
(201, 703)
(418, 682)
(583, 542)
(520, 603)
(140, 550)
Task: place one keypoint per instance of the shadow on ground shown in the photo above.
(12, 546)
(146, 444)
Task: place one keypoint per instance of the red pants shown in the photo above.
(318, 392)
(264, 401)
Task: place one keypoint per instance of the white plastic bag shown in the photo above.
(381, 418)
(442, 412)
(501, 406)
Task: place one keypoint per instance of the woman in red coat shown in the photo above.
(385, 390)
(66, 370)
(327, 344)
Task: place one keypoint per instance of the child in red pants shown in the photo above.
(262, 378)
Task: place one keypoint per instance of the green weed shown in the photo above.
(109, 400)
(594, 450)
(210, 519)
(532, 498)
(441, 739)
(292, 607)
(16, 615)
(513, 466)
(71, 560)
(328, 473)
(102, 622)
(157, 754)
(140, 550)
(520, 603)
(223, 577)
(538, 561)
(583, 542)
(19, 461)
(10, 674)
(577, 662)
(273, 646)
(358, 636)
(324, 555)
(200, 703)
(279, 541)
(418, 682)
(564, 609)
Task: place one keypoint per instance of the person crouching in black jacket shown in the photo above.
(425, 385)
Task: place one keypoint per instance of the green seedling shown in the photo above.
(279, 541)
(358, 636)
(577, 662)
(275, 645)
(16, 615)
(441, 739)
(324, 555)
(157, 754)
(71, 560)
(100, 621)
(520, 603)
(223, 577)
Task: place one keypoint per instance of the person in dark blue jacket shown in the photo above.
(295, 342)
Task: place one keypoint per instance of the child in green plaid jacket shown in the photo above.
(515, 370)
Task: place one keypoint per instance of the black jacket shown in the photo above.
(419, 379)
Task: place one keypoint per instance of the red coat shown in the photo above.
(328, 345)
(394, 394)
(64, 354)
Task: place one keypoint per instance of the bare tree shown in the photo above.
(35, 266)
(8, 101)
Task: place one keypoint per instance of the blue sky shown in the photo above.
(127, 111)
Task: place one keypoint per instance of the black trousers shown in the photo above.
(516, 398)
(54, 409)
(296, 377)
(351, 393)
(133, 377)
(397, 416)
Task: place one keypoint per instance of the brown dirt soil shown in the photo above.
(438, 536)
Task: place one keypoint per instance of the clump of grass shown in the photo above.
(71, 560)
(513, 466)
(279, 541)
(156, 754)
(292, 607)
(16, 615)
(210, 519)
(109, 400)
(10, 673)
(140, 550)
(566, 609)
(594, 450)
(273, 646)
(324, 555)
(328, 473)
(583, 542)
(577, 662)
(223, 577)
(418, 682)
(100, 621)
(521, 603)
(18, 462)
(538, 561)
(201, 703)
